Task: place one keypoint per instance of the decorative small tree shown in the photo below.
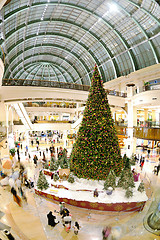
(64, 163)
(141, 187)
(12, 151)
(126, 162)
(46, 166)
(110, 180)
(54, 166)
(126, 179)
(71, 179)
(42, 181)
(133, 160)
(55, 177)
(129, 193)
(96, 150)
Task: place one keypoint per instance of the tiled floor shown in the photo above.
(30, 221)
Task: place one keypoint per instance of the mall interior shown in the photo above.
(48, 50)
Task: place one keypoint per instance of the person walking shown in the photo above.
(142, 164)
(158, 167)
(52, 219)
(76, 228)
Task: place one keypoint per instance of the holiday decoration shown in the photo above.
(55, 177)
(62, 159)
(141, 187)
(46, 166)
(133, 159)
(126, 162)
(42, 181)
(126, 179)
(110, 180)
(53, 165)
(96, 150)
(71, 179)
(129, 193)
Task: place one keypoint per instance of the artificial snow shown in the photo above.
(118, 195)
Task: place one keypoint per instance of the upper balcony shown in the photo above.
(51, 84)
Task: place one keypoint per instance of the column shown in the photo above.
(130, 139)
(135, 116)
(153, 117)
(7, 113)
(65, 138)
(11, 119)
(145, 116)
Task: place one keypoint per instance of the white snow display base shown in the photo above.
(80, 194)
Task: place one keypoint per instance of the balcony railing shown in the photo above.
(147, 88)
(52, 84)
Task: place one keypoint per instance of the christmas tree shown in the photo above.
(96, 150)
(110, 181)
(55, 177)
(42, 181)
(126, 179)
(129, 193)
(53, 164)
(141, 187)
(71, 179)
(126, 162)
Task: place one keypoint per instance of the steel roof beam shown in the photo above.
(124, 42)
(53, 45)
(17, 64)
(57, 66)
(55, 73)
(95, 59)
(49, 73)
(9, 34)
(36, 72)
(144, 10)
(142, 30)
(44, 66)
(46, 53)
(26, 75)
(64, 77)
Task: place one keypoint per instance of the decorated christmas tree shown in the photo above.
(53, 164)
(96, 150)
(126, 162)
(110, 180)
(126, 179)
(129, 193)
(141, 187)
(42, 181)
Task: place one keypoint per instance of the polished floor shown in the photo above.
(30, 220)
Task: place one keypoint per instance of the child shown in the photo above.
(76, 228)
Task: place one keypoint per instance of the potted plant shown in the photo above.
(146, 86)
(12, 151)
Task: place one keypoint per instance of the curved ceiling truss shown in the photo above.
(62, 40)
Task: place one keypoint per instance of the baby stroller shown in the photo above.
(155, 170)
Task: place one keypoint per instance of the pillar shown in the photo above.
(65, 138)
(145, 114)
(7, 113)
(135, 116)
(153, 116)
(130, 140)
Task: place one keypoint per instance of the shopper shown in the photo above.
(52, 219)
(76, 228)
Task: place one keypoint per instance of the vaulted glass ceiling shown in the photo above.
(62, 40)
